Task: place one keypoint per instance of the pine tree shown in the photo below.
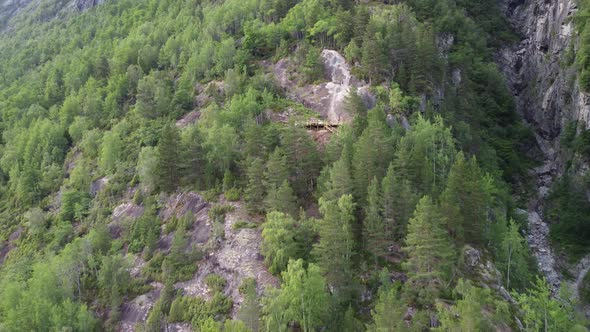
(221, 143)
(430, 254)
(335, 249)
(388, 315)
(249, 312)
(376, 238)
(425, 62)
(110, 152)
(147, 165)
(183, 95)
(399, 201)
(254, 145)
(303, 159)
(282, 199)
(373, 57)
(254, 193)
(192, 166)
(354, 105)
(277, 170)
(340, 179)
(465, 200)
(155, 320)
(372, 153)
(279, 243)
(179, 244)
(168, 159)
(350, 323)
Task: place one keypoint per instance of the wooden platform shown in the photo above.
(317, 125)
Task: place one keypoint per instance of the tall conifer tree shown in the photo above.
(168, 159)
(430, 254)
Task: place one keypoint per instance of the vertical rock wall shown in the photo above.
(544, 84)
(540, 74)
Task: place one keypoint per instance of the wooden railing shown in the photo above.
(315, 124)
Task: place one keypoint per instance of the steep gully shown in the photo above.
(546, 96)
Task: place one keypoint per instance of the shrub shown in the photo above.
(232, 194)
(215, 282)
(211, 195)
(196, 309)
(217, 212)
(243, 224)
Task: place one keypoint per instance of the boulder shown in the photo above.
(472, 256)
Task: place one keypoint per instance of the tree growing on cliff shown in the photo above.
(375, 234)
(513, 257)
(399, 201)
(281, 199)
(431, 255)
(389, 312)
(279, 243)
(336, 247)
(303, 299)
(474, 310)
(167, 170)
(543, 312)
(465, 201)
(255, 188)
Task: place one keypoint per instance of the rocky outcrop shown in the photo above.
(127, 211)
(479, 269)
(180, 204)
(6, 248)
(82, 5)
(235, 258)
(97, 186)
(538, 240)
(137, 310)
(188, 119)
(328, 98)
(537, 71)
(235, 255)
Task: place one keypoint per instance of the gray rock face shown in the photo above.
(82, 5)
(328, 98)
(538, 239)
(547, 96)
(472, 256)
(236, 257)
(545, 88)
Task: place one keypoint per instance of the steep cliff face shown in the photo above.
(537, 68)
(539, 72)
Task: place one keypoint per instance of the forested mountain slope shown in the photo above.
(284, 165)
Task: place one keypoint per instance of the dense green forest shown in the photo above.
(369, 231)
